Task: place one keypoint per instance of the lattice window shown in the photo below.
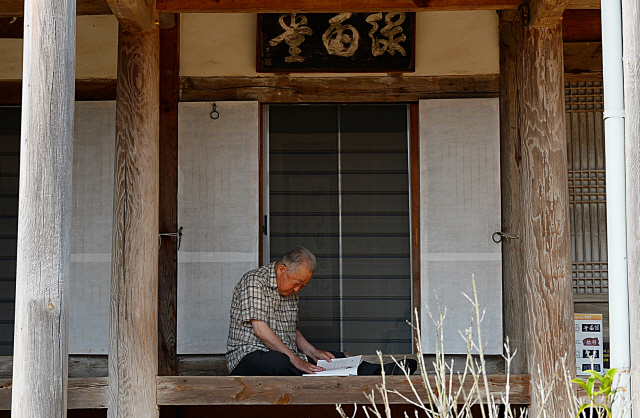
(587, 186)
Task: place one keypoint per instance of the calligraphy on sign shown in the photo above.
(336, 42)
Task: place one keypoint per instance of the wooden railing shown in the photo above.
(92, 393)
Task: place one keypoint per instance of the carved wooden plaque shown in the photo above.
(336, 42)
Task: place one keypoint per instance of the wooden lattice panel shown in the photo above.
(587, 186)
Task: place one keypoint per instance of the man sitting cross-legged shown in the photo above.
(263, 335)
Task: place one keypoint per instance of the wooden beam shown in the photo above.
(581, 26)
(583, 4)
(631, 56)
(133, 343)
(135, 15)
(545, 214)
(15, 8)
(83, 394)
(11, 27)
(41, 332)
(90, 89)
(168, 208)
(513, 280)
(414, 167)
(328, 6)
(285, 89)
(582, 57)
(544, 13)
(266, 390)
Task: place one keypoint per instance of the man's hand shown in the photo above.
(271, 340)
(322, 355)
(305, 366)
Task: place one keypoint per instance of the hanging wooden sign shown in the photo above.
(336, 42)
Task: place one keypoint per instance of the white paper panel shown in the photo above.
(460, 210)
(218, 162)
(91, 220)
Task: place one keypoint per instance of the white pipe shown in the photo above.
(620, 358)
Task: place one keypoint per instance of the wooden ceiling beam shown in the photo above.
(15, 8)
(328, 6)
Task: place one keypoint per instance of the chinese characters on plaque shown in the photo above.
(589, 343)
(340, 42)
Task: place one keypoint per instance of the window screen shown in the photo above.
(339, 185)
(9, 171)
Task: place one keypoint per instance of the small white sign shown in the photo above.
(589, 344)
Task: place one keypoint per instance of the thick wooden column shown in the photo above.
(41, 342)
(631, 64)
(513, 292)
(545, 214)
(133, 344)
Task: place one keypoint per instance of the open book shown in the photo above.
(347, 366)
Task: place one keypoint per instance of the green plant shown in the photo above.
(599, 398)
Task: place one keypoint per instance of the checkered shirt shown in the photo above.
(256, 297)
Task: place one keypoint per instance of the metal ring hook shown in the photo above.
(500, 235)
(214, 113)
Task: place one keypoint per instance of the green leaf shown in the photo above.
(580, 383)
(582, 408)
(590, 382)
(605, 386)
(606, 408)
(596, 375)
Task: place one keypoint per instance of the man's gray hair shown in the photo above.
(296, 256)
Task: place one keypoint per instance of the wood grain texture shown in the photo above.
(15, 8)
(133, 349)
(329, 6)
(215, 364)
(168, 209)
(545, 213)
(11, 8)
(285, 89)
(546, 13)
(41, 332)
(86, 89)
(631, 64)
(82, 394)
(414, 160)
(581, 26)
(583, 4)
(583, 57)
(266, 390)
(11, 27)
(135, 15)
(513, 279)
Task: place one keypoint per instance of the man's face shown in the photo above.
(290, 283)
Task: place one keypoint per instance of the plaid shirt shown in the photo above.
(256, 297)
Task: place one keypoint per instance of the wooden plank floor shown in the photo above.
(92, 393)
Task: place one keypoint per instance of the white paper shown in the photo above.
(347, 366)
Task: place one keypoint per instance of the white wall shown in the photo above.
(224, 44)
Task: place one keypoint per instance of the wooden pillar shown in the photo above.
(133, 344)
(631, 58)
(41, 342)
(513, 292)
(545, 214)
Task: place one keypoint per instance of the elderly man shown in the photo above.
(263, 336)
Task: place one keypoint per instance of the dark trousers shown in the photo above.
(274, 363)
